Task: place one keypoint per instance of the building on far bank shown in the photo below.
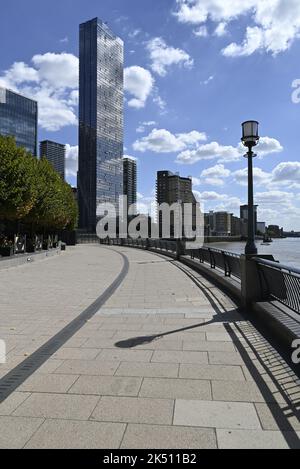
(275, 231)
(101, 103)
(19, 119)
(235, 226)
(244, 219)
(170, 189)
(220, 223)
(55, 153)
(130, 183)
(261, 227)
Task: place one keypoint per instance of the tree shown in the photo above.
(18, 190)
(32, 192)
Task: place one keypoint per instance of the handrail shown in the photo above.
(277, 265)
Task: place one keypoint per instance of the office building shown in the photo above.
(55, 153)
(244, 219)
(172, 188)
(220, 223)
(19, 119)
(261, 227)
(100, 173)
(130, 183)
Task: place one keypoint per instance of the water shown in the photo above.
(286, 251)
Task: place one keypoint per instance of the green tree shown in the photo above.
(18, 191)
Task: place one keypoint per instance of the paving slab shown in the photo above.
(213, 414)
(68, 434)
(55, 406)
(40, 382)
(175, 389)
(166, 437)
(17, 431)
(106, 386)
(212, 372)
(150, 370)
(179, 357)
(134, 410)
(12, 402)
(256, 439)
(278, 417)
(88, 367)
(126, 355)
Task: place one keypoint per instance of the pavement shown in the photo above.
(111, 347)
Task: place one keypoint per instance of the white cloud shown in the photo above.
(268, 146)
(208, 151)
(163, 141)
(260, 177)
(215, 175)
(71, 160)
(201, 32)
(288, 172)
(53, 82)
(221, 29)
(142, 126)
(224, 154)
(276, 23)
(139, 83)
(163, 56)
(209, 79)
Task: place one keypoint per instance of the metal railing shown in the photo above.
(228, 262)
(280, 282)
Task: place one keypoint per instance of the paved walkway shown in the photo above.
(160, 359)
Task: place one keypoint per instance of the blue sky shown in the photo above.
(194, 70)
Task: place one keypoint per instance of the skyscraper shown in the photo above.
(18, 118)
(55, 153)
(100, 174)
(130, 181)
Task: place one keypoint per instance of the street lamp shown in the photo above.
(250, 139)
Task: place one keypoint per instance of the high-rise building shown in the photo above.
(244, 219)
(55, 153)
(100, 173)
(172, 188)
(19, 119)
(130, 182)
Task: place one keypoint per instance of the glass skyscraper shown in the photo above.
(55, 153)
(18, 118)
(100, 172)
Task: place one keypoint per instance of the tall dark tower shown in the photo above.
(130, 182)
(100, 173)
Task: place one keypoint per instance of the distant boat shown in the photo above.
(267, 239)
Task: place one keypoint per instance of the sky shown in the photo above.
(194, 71)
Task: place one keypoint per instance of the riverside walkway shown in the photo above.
(112, 347)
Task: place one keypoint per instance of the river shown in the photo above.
(286, 251)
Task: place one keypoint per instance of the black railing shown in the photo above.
(228, 262)
(280, 282)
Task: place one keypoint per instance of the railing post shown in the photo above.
(179, 249)
(251, 287)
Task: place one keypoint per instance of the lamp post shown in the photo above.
(250, 139)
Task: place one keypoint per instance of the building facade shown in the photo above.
(170, 189)
(244, 219)
(100, 173)
(19, 119)
(55, 153)
(220, 223)
(130, 183)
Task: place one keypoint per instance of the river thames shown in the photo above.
(286, 251)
